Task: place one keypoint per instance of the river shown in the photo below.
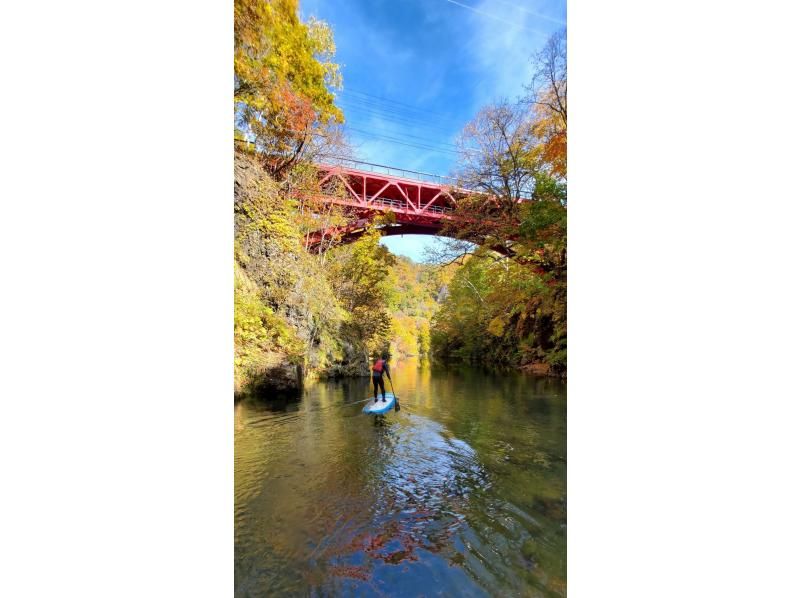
(460, 493)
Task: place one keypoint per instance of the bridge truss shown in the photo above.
(420, 205)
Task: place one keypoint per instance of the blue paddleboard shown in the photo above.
(380, 407)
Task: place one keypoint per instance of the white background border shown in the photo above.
(116, 237)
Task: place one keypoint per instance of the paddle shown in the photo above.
(396, 398)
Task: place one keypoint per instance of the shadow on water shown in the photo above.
(462, 491)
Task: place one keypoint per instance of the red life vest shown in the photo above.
(378, 367)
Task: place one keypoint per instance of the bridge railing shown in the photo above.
(396, 203)
(416, 175)
(392, 203)
(439, 209)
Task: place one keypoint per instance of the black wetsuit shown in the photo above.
(377, 380)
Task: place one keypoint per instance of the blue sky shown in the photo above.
(416, 71)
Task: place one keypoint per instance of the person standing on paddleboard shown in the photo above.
(379, 368)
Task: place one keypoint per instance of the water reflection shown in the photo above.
(463, 490)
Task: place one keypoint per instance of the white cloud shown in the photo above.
(502, 51)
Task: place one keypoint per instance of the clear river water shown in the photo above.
(460, 493)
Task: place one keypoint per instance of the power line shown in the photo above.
(357, 93)
(367, 114)
(421, 116)
(404, 135)
(375, 105)
(402, 112)
(416, 145)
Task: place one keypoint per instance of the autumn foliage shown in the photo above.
(507, 304)
(283, 79)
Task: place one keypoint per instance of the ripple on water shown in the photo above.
(330, 501)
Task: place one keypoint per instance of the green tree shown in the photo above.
(360, 275)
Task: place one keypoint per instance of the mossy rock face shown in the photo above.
(279, 382)
(290, 303)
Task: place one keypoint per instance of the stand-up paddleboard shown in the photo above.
(380, 407)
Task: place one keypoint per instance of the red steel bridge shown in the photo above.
(420, 202)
